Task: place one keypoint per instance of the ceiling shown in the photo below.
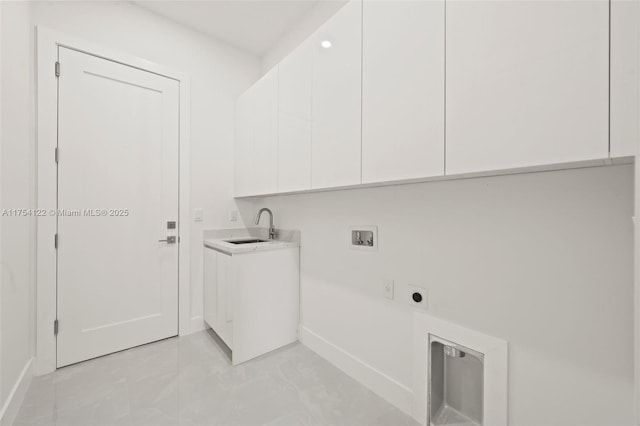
(251, 25)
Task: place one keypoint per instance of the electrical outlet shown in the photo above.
(197, 215)
(417, 297)
(387, 289)
(233, 215)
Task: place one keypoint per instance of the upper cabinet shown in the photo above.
(526, 83)
(295, 121)
(336, 99)
(625, 16)
(397, 90)
(256, 149)
(402, 90)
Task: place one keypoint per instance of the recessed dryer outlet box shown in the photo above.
(363, 237)
(417, 297)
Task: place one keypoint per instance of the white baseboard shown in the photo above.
(385, 386)
(16, 396)
(197, 324)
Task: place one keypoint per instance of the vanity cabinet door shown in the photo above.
(294, 115)
(218, 294)
(256, 156)
(210, 287)
(402, 90)
(336, 99)
(225, 300)
(526, 83)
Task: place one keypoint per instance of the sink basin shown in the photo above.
(247, 241)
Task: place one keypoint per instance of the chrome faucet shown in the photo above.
(272, 230)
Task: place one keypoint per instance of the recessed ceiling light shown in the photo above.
(326, 44)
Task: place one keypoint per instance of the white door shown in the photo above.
(118, 183)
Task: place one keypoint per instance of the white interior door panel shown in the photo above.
(118, 180)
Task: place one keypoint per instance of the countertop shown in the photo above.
(217, 239)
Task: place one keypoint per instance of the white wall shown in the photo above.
(544, 261)
(17, 250)
(541, 260)
(311, 21)
(219, 73)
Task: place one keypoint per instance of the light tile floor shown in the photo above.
(190, 381)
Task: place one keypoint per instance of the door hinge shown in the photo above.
(55, 241)
(57, 69)
(57, 155)
(55, 327)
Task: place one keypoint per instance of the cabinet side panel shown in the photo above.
(624, 77)
(266, 302)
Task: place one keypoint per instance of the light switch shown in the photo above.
(197, 215)
(388, 289)
(233, 215)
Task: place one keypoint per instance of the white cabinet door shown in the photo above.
(625, 16)
(526, 83)
(243, 145)
(336, 99)
(294, 115)
(402, 90)
(218, 294)
(224, 281)
(210, 287)
(257, 138)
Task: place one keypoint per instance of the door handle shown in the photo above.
(170, 240)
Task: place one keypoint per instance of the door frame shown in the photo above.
(636, 245)
(47, 43)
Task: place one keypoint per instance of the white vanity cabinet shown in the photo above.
(337, 99)
(402, 90)
(526, 83)
(251, 299)
(256, 146)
